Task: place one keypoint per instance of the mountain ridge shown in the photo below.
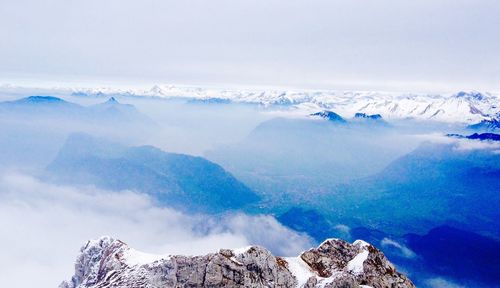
(463, 107)
(468, 107)
(107, 262)
(177, 180)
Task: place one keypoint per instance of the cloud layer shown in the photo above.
(44, 225)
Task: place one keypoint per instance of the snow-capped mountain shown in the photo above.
(463, 107)
(491, 125)
(107, 262)
(329, 115)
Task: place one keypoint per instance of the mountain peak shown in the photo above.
(112, 100)
(487, 124)
(470, 95)
(329, 115)
(107, 262)
(43, 99)
(366, 116)
(48, 102)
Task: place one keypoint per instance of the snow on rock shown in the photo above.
(107, 262)
(134, 257)
(300, 270)
(465, 107)
(356, 264)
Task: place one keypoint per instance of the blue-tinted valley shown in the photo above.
(425, 193)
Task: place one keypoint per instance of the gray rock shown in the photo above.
(107, 262)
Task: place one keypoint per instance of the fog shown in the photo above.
(354, 178)
(44, 225)
(32, 137)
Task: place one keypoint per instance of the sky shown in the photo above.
(326, 44)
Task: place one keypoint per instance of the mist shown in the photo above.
(44, 225)
(77, 167)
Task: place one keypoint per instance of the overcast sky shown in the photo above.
(408, 45)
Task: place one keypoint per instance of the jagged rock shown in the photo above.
(107, 262)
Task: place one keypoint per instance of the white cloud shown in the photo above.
(441, 283)
(44, 225)
(460, 144)
(405, 251)
(465, 145)
(279, 239)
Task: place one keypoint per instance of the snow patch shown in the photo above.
(299, 269)
(242, 250)
(356, 264)
(133, 257)
(328, 240)
(361, 243)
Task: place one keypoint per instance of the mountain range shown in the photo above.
(50, 106)
(463, 107)
(33, 128)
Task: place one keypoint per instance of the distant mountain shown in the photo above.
(491, 125)
(107, 112)
(359, 118)
(304, 157)
(369, 119)
(177, 180)
(431, 186)
(463, 107)
(37, 100)
(476, 136)
(34, 127)
(209, 101)
(329, 115)
(107, 262)
(114, 110)
(485, 136)
(41, 104)
(459, 254)
(366, 116)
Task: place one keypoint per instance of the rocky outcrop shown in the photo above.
(476, 136)
(366, 116)
(107, 262)
(329, 115)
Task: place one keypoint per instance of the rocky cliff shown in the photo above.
(107, 262)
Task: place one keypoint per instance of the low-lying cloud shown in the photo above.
(44, 225)
(441, 283)
(404, 251)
